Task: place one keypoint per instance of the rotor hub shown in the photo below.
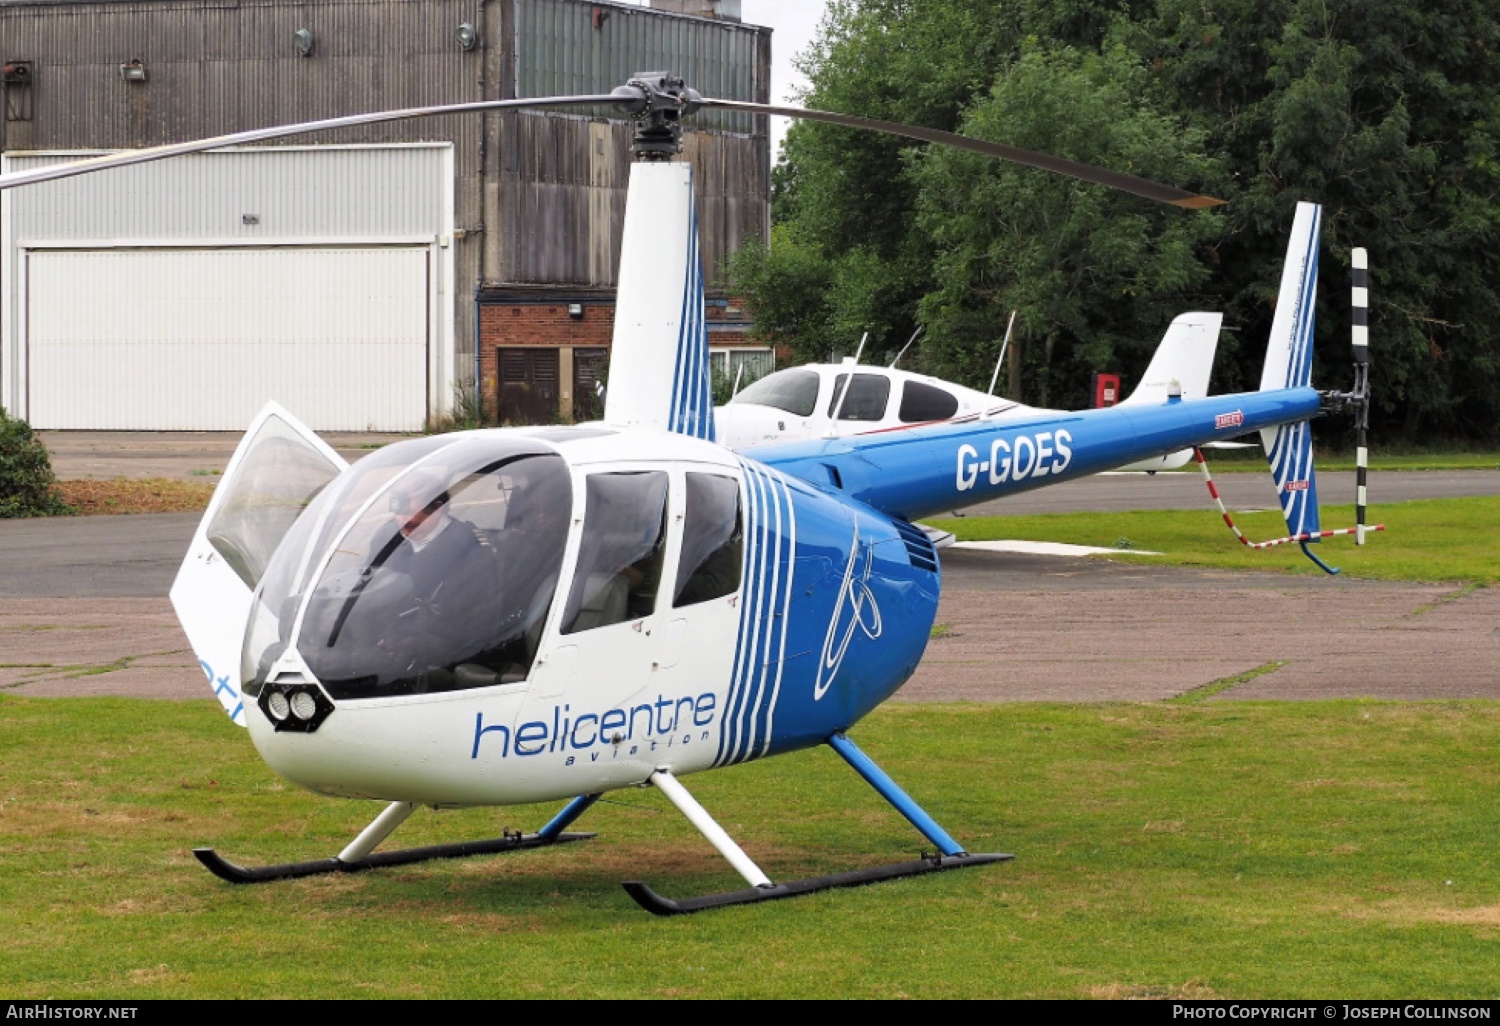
(662, 100)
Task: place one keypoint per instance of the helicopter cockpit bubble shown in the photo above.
(439, 580)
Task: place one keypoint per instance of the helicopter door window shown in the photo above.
(922, 403)
(620, 555)
(279, 475)
(712, 540)
(867, 397)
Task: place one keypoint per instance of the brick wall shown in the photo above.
(531, 323)
(537, 324)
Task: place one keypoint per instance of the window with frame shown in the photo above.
(621, 550)
(795, 391)
(867, 397)
(713, 541)
(921, 403)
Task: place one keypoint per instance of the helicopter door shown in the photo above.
(700, 605)
(605, 637)
(278, 468)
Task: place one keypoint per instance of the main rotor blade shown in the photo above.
(127, 157)
(1083, 172)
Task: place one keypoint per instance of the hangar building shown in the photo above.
(368, 279)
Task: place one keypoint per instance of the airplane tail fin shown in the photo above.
(1185, 356)
(1289, 365)
(659, 367)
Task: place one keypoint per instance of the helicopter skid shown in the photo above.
(226, 870)
(658, 905)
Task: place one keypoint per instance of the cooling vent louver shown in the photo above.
(918, 549)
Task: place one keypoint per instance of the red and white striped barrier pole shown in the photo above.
(1213, 490)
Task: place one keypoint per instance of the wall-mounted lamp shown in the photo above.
(575, 311)
(133, 71)
(302, 39)
(468, 37)
(17, 73)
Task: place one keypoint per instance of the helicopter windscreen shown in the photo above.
(441, 582)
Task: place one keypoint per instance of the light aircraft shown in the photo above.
(809, 401)
(525, 615)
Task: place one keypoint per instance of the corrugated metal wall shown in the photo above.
(83, 352)
(538, 199)
(562, 188)
(292, 193)
(564, 47)
(221, 67)
(193, 339)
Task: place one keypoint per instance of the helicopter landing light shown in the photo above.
(295, 706)
(304, 706)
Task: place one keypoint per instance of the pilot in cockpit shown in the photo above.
(448, 566)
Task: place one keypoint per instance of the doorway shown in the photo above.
(528, 385)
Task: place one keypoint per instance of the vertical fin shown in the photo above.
(659, 372)
(1185, 355)
(1289, 365)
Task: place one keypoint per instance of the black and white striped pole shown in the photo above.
(1361, 339)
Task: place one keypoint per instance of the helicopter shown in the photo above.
(523, 615)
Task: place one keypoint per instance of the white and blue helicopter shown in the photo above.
(515, 616)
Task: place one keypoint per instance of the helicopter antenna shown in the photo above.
(907, 346)
(996, 376)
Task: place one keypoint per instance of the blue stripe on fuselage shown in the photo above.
(941, 467)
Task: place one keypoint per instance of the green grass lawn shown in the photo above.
(1200, 848)
(1425, 540)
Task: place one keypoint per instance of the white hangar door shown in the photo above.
(200, 339)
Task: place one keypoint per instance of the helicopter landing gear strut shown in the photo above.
(762, 889)
(358, 855)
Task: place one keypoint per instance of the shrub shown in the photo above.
(27, 487)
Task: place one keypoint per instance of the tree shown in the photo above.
(1096, 275)
(27, 487)
(1384, 111)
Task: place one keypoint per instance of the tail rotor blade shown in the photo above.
(1360, 330)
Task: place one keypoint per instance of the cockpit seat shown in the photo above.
(606, 598)
(474, 675)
